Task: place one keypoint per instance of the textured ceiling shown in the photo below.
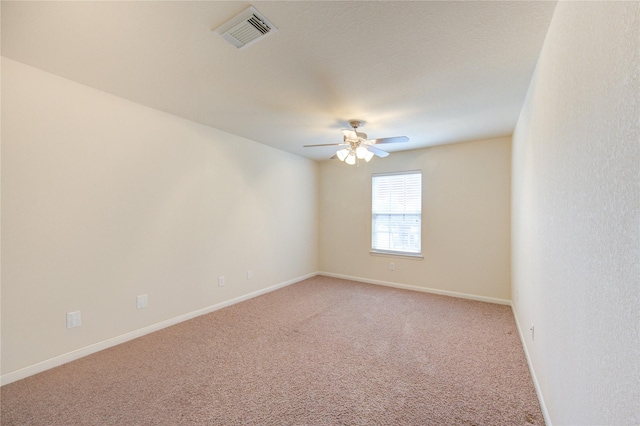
(437, 72)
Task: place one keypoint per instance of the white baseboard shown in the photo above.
(422, 289)
(536, 385)
(96, 347)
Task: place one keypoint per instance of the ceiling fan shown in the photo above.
(358, 147)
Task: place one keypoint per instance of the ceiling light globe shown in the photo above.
(351, 159)
(361, 152)
(342, 154)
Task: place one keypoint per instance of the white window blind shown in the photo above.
(397, 213)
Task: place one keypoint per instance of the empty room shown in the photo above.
(320, 213)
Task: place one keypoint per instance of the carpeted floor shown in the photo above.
(320, 352)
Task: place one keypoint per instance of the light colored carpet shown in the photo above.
(320, 352)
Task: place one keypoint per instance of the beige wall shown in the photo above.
(103, 199)
(465, 224)
(576, 215)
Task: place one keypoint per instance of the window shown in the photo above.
(396, 213)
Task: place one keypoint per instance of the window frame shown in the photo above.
(395, 253)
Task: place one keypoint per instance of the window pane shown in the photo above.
(396, 212)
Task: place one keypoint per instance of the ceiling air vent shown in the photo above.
(246, 28)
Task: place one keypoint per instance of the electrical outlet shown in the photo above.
(141, 301)
(249, 275)
(74, 319)
(220, 281)
(392, 266)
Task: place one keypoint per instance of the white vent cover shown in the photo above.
(246, 28)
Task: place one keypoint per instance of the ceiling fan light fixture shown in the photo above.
(351, 159)
(361, 152)
(358, 147)
(342, 154)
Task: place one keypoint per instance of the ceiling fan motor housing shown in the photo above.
(355, 124)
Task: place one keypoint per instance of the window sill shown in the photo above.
(392, 254)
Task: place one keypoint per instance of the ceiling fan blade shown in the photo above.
(380, 153)
(334, 157)
(394, 139)
(325, 144)
(350, 134)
